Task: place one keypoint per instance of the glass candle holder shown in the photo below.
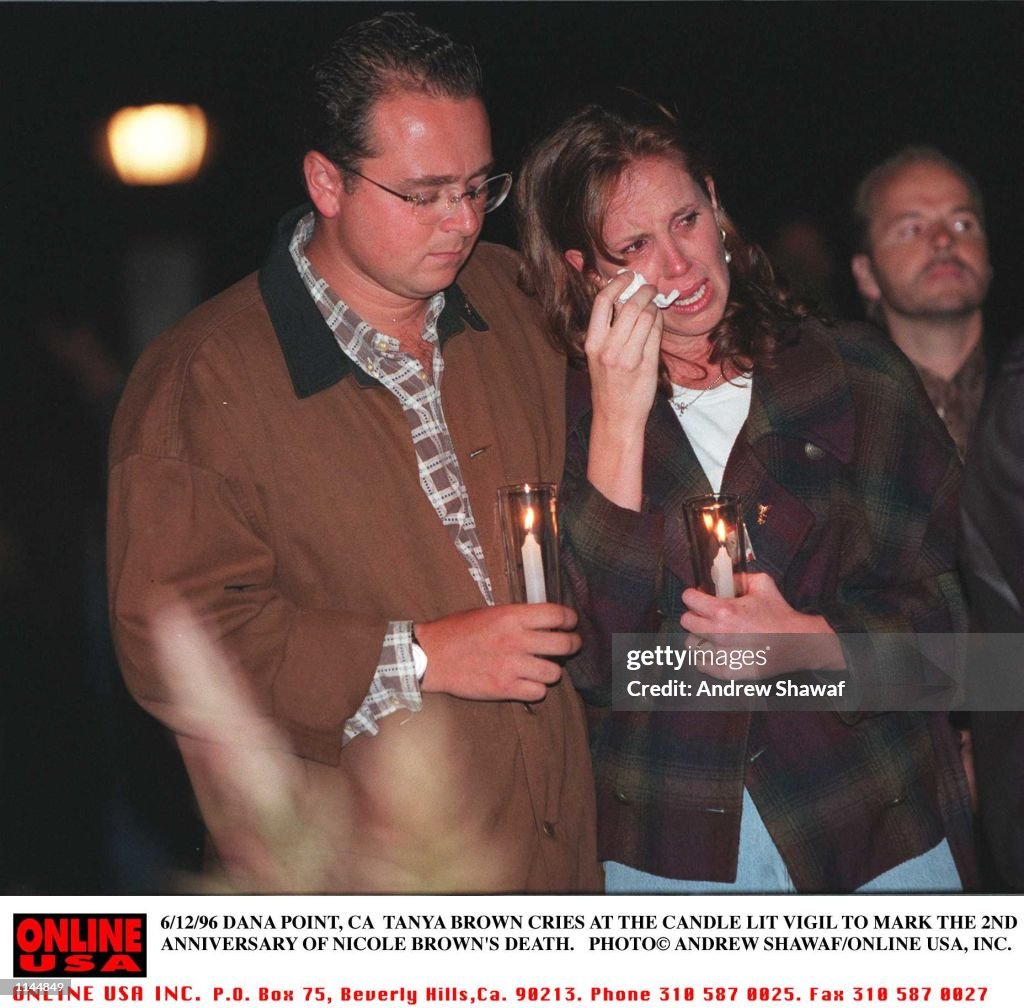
(715, 524)
(528, 513)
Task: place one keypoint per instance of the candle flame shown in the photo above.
(709, 520)
(528, 520)
(720, 531)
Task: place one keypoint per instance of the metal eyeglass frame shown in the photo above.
(453, 201)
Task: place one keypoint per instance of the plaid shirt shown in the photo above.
(395, 686)
(856, 483)
(958, 401)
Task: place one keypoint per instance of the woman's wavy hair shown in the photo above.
(562, 196)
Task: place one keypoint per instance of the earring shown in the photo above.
(728, 254)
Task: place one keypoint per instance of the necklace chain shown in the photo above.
(682, 407)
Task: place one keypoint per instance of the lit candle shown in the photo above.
(721, 568)
(533, 563)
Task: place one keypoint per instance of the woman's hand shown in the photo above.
(623, 347)
(796, 641)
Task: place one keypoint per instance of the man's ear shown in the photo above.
(574, 257)
(324, 183)
(864, 274)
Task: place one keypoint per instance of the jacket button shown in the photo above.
(549, 829)
(813, 452)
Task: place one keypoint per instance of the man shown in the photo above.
(310, 462)
(922, 267)
(992, 531)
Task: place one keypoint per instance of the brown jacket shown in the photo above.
(271, 483)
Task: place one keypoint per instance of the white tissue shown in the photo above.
(661, 300)
(634, 285)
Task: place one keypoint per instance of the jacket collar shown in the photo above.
(315, 361)
(802, 397)
(805, 394)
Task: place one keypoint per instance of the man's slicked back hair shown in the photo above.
(373, 59)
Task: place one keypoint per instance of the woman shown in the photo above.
(848, 486)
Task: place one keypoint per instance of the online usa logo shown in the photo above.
(70, 945)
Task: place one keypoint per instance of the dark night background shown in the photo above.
(796, 101)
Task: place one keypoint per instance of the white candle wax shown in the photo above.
(533, 570)
(721, 574)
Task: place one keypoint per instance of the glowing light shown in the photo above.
(157, 144)
(528, 520)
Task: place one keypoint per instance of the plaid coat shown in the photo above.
(861, 482)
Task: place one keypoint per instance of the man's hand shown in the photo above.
(495, 653)
(252, 792)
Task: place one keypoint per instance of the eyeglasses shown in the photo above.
(434, 205)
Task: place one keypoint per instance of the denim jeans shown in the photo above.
(762, 870)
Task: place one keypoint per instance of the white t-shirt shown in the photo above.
(711, 420)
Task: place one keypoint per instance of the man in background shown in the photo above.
(922, 267)
(992, 562)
